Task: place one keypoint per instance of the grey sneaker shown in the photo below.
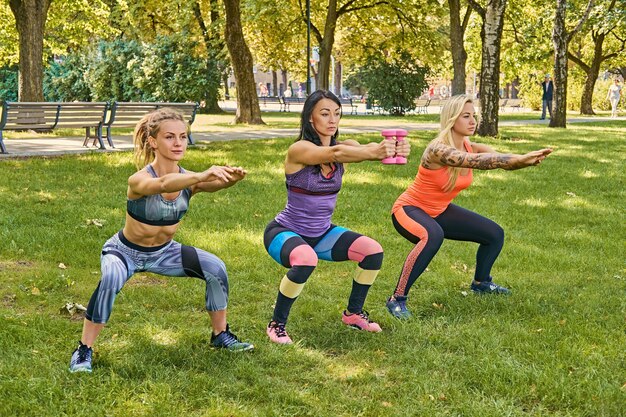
(227, 340)
(397, 307)
(488, 287)
(81, 359)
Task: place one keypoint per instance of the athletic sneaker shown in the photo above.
(227, 340)
(488, 287)
(277, 334)
(360, 321)
(81, 359)
(397, 307)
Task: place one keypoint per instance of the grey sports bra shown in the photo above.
(156, 210)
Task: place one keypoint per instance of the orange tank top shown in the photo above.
(427, 191)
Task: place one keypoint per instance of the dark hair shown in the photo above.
(306, 128)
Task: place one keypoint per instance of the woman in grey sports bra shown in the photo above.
(158, 197)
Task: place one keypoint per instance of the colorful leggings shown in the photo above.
(121, 259)
(428, 233)
(301, 253)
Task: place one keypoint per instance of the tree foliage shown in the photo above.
(393, 83)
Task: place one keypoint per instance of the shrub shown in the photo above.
(394, 84)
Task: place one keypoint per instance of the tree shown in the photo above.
(606, 20)
(491, 34)
(248, 110)
(561, 38)
(215, 60)
(393, 83)
(326, 36)
(276, 37)
(30, 20)
(457, 45)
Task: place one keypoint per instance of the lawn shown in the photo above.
(553, 348)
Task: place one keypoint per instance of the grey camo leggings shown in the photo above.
(121, 259)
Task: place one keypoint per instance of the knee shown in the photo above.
(367, 252)
(497, 234)
(303, 255)
(435, 237)
(114, 274)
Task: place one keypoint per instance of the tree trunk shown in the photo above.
(326, 46)
(586, 101)
(283, 76)
(248, 110)
(457, 47)
(560, 40)
(491, 34)
(338, 83)
(274, 83)
(30, 21)
(225, 82)
(514, 88)
(213, 75)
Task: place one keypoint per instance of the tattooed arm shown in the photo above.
(439, 155)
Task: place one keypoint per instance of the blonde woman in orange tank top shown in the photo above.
(424, 213)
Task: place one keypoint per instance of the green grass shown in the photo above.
(554, 348)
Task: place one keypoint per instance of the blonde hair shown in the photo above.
(451, 111)
(149, 126)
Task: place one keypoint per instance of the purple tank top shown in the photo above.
(311, 200)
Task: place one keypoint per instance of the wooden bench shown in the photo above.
(349, 104)
(273, 100)
(45, 116)
(127, 114)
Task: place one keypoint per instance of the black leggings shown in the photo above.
(428, 233)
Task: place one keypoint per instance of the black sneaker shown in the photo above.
(81, 359)
(227, 340)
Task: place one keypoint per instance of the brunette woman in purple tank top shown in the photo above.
(302, 233)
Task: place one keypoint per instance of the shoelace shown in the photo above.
(279, 329)
(83, 353)
(230, 339)
(365, 315)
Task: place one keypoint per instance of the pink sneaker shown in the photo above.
(360, 321)
(277, 334)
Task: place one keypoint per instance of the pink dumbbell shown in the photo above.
(389, 134)
(395, 135)
(400, 135)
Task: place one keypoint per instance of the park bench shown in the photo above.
(349, 104)
(292, 100)
(421, 106)
(273, 100)
(46, 116)
(127, 114)
(514, 103)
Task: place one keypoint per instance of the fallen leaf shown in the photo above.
(438, 306)
(95, 222)
(35, 291)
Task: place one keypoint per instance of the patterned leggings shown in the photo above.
(428, 233)
(121, 259)
(300, 254)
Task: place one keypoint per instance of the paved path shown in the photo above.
(21, 148)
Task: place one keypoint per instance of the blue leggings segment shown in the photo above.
(120, 262)
(334, 245)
